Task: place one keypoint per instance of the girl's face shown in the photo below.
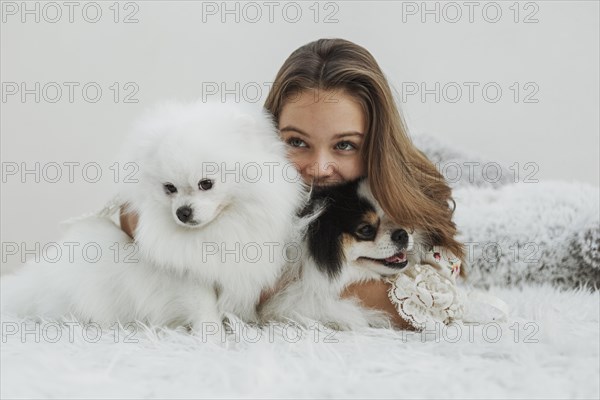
(324, 132)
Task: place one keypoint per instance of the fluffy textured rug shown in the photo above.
(534, 245)
(549, 348)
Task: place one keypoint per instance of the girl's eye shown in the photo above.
(295, 142)
(169, 188)
(345, 146)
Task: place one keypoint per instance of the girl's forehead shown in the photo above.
(335, 114)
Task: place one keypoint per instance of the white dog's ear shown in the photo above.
(259, 126)
(246, 119)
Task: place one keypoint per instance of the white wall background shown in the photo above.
(172, 52)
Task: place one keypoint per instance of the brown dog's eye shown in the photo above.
(366, 231)
(205, 184)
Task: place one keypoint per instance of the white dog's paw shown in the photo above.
(209, 330)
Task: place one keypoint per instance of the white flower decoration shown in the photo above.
(424, 294)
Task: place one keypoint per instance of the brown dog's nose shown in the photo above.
(400, 237)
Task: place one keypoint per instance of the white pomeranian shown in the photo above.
(217, 202)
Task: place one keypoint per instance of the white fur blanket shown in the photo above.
(549, 348)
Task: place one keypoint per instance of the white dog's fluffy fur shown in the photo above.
(215, 257)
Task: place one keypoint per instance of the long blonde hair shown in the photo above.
(404, 181)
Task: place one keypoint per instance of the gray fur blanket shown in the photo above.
(524, 231)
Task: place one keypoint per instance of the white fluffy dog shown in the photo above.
(217, 202)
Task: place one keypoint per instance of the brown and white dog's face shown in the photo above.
(353, 230)
(378, 243)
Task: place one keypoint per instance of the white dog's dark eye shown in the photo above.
(205, 184)
(169, 188)
(366, 231)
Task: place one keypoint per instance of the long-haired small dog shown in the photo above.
(349, 240)
(216, 206)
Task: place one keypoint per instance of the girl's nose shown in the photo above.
(321, 167)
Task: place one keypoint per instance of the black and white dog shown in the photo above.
(350, 239)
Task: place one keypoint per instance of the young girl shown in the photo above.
(335, 110)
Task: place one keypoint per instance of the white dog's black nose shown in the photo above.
(184, 213)
(400, 236)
